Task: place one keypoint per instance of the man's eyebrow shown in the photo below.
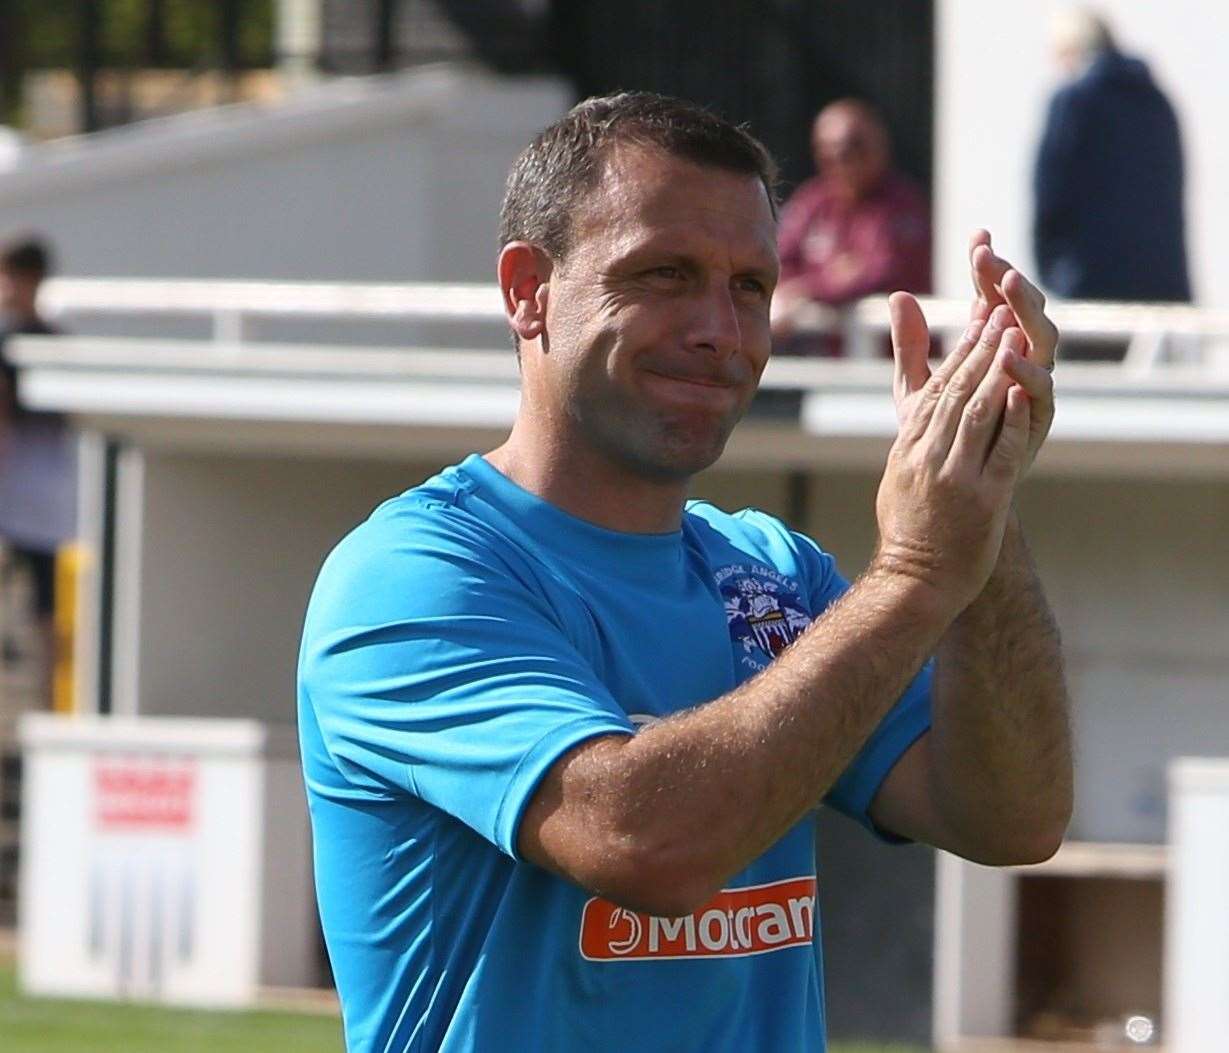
(768, 269)
(653, 250)
(663, 254)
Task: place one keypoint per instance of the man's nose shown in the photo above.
(715, 327)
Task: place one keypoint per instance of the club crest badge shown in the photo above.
(764, 611)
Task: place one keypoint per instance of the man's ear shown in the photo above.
(524, 284)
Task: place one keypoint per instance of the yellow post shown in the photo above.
(68, 565)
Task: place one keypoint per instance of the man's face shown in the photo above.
(657, 321)
(850, 151)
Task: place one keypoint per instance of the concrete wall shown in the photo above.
(229, 548)
(1138, 573)
(994, 77)
(392, 180)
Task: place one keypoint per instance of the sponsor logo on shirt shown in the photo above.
(764, 611)
(737, 922)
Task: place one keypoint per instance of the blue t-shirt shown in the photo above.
(456, 645)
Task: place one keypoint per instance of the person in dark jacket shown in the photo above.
(37, 449)
(1109, 221)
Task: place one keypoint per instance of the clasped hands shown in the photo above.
(967, 431)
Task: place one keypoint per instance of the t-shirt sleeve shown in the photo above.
(903, 725)
(435, 669)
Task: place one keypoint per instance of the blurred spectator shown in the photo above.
(858, 228)
(37, 469)
(1108, 182)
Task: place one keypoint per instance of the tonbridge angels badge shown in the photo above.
(764, 611)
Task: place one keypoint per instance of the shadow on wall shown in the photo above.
(877, 911)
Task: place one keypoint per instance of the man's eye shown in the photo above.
(667, 272)
(753, 285)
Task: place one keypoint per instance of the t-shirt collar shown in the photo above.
(646, 556)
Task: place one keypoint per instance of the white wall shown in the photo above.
(380, 179)
(229, 550)
(994, 75)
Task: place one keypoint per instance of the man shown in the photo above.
(857, 228)
(37, 464)
(563, 732)
(1109, 221)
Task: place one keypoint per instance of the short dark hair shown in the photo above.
(27, 256)
(565, 161)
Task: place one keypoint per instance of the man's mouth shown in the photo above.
(687, 378)
(700, 390)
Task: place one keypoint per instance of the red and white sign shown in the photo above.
(757, 919)
(144, 794)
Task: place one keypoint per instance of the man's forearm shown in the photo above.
(1001, 744)
(805, 717)
(705, 792)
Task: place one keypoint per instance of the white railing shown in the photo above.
(1157, 334)
(230, 304)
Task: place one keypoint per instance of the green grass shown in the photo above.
(41, 1025)
(38, 1025)
(872, 1047)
